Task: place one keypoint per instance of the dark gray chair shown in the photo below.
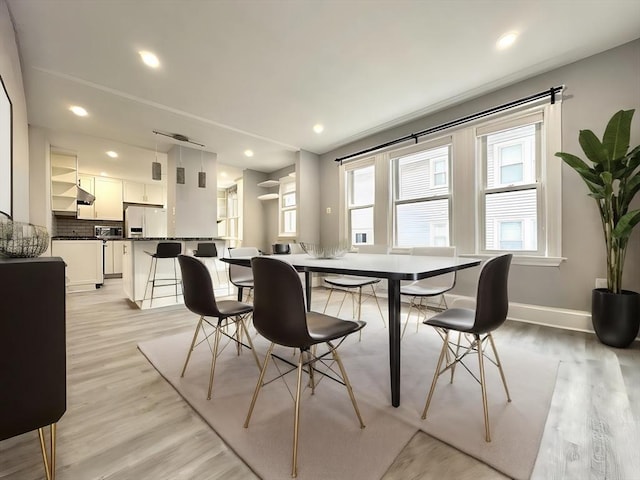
(200, 299)
(492, 305)
(164, 250)
(280, 316)
(208, 250)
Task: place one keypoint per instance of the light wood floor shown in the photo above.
(123, 421)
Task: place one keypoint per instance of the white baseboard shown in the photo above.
(567, 319)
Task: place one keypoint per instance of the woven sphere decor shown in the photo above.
(20, 239)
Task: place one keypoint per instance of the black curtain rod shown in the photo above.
(453, 123)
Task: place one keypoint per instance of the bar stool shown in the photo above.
(163, 250)
(208, 250)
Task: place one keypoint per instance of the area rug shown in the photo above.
(331, 443)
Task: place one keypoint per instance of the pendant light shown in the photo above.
(180, 169)
(156, 167)
(202, 175)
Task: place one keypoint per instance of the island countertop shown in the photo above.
(174, 239)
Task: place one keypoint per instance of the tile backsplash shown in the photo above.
(72, 227)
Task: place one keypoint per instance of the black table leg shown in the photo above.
(308, 278)
(394, 339)
(240, 294)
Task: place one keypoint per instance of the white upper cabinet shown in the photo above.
(108, 203)
(152, 194)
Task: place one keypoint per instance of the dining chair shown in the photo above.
(352, 285)
(242, 277)
(280, 316)
(200, 299)
(421, 291)
(475, 325)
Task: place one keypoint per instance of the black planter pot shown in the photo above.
(615, 316)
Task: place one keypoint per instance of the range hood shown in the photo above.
(84, 198)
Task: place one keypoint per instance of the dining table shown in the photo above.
(392, 267)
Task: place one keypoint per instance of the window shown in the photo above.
(487, 187)
(360, 200)
(421, 197)
(511, 194)
(288, 207)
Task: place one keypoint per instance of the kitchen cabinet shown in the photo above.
(63, 183)
(113, 257)
(108, 202)
(84, 262)
(144, 193)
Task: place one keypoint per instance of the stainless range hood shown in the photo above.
(84, 197)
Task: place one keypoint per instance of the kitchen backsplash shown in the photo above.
(72, 227)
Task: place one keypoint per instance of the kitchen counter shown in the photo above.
(174, 239)
(136, 264)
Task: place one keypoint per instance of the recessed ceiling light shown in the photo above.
(112, 154)
(79, 111)
(506, 40)
(248, 153)
(318, 128)
(223, 174)
(149, 59)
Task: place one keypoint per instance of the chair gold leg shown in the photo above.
(213, 360)
(483, 385)
(296, 420)
(312, 381)
(375, 297)
(253, 350)
(43, 449)
(419, 308)
(406, 322)
(193, 342)
(495, 354)
(347, 383)
(258, 386)
(328, 298)
(453, 367)
(436, 375)
(53, 431)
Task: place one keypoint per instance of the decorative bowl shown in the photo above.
(316, 251)
(19, 239)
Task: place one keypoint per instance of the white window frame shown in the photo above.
(349, 207)
(287, 191)
(432, 166)
(398, 154)
(484, 191)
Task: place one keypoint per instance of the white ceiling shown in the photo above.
(258, 75)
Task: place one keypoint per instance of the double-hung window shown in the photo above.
(422, 196)
(360, 204)
(511, 201)
(288, 207)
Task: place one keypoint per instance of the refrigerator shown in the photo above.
(147, 222)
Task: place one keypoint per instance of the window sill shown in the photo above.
(528, 260)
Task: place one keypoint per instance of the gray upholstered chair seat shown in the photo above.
(421, 290)
(459, 319)
(229, 308)
(323, 327)
(351, 282)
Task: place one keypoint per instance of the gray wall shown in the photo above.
(271, 209)
(192, 211)
(596, 88)
(12, 77)
(253, 219)
(308, 188)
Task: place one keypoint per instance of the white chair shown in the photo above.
(242, 277)
(421, 291)
(351, 284)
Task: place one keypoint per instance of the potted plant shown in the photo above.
(613, 180)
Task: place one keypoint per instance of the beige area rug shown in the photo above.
(331, 443)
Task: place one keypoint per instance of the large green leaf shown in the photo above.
(625, 224)
(631, 189)
(580, 166)
(592, 147)
(616, 136)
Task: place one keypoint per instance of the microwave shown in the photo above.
(107, 232)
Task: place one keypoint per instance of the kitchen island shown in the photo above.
(136, 263)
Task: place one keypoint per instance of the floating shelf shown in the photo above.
(268, 196)
(269, 183)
